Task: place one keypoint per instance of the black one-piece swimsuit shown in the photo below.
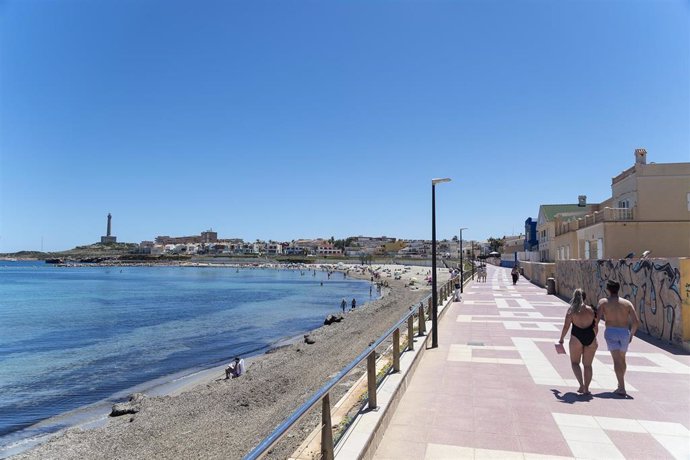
(585, 335)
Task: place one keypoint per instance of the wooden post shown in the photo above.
(410, 333)
(326, 430)
(371, 379)
(422, 321)
(396, 350)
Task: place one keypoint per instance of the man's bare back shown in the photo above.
(617, 312)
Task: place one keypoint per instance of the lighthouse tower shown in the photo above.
(108, 238)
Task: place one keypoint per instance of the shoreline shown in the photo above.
(97, 414)
(207, 387)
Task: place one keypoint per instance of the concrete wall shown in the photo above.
(658, 288)
(664, 239)
(662, 192)
(538, 272)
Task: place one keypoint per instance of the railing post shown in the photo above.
(422, 321)
(396, 350)
(410, 333)
(371, 379)
(326, 430)
(429, 306)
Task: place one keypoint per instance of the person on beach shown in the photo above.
(621, 324)
(235, 369)
(354, 303)
(343, 305)
(515, 273)
(583, 338)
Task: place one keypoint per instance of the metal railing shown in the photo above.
(323, 394)
(605, 215)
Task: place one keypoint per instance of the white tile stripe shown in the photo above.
(674, 437)
(446, 452)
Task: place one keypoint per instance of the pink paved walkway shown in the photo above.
(495, 388)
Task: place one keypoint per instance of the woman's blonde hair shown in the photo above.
(577, 302)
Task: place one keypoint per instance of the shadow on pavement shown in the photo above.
(612, 395)
(571, 397)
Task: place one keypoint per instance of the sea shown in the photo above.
(75, 340)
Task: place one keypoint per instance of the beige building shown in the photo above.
(649, 210)
(553, 215)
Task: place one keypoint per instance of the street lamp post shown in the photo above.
(462, 267)
(434, 294)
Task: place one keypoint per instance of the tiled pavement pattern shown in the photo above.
(496, 388)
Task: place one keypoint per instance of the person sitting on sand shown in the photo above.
(235, 369)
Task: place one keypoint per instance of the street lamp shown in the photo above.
(462, 267)
(434, 294)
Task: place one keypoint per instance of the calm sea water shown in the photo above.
(71, 337)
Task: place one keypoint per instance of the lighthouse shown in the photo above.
(108, 238)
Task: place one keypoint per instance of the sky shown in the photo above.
(304, 119)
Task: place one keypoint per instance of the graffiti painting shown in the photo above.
(652, 285)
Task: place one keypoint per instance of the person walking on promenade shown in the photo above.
(583, 338)
(621, 324)
(343, 304)
(515, 273)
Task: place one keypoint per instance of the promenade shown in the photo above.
(496, 388)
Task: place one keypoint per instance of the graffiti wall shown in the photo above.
(654, 286)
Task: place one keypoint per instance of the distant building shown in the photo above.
(546, 224)
(328, 250)
(206, 237)
(531, 243)
(273, 248)
(108, 238)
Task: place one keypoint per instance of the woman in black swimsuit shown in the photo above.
(583, 338)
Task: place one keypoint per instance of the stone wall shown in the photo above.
(538, 272)
(658, 288)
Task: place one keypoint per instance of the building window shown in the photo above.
(586, 249)
(600, 248)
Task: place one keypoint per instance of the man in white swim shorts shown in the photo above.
(621, 324)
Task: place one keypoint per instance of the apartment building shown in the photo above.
(649, 210)
(551, 215)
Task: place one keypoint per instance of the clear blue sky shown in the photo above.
(280, 120)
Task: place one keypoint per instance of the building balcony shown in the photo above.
(605, 215)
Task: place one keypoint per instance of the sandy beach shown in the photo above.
(211, 417)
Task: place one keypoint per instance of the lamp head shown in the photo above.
(439, 181)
